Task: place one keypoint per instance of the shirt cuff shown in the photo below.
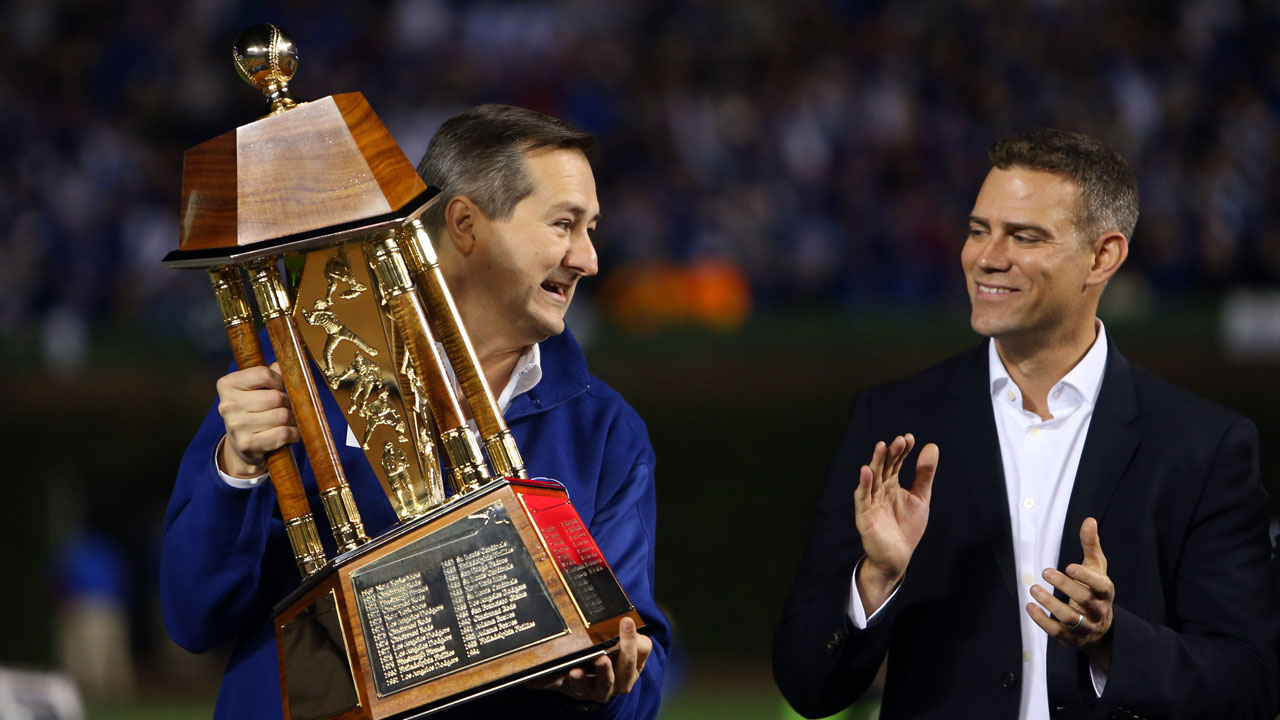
(857, 614)
(235, 482)
(1099, 678)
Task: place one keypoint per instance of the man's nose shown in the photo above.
(995, 254)
(581, 256)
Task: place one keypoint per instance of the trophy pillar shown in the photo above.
(447, 324)
(467, 470)
(339, 505)
(299, 524)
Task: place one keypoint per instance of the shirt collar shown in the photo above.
(526, 374)
(1080, 385)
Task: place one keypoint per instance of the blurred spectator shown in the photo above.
(93, 617)
(826, 149)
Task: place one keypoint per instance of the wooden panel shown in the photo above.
(300, 171)
(396, 176)
(208, 214)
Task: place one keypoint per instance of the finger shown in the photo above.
(1092, 545)
(926, 468)
(244, 423)
(1066, 615)
(908, 442)
(252, 378)
(877, 466)
(1049, 625)
(602, 687)
(644, 647)
(274, 438)
(1075, 590)
(1099, 584)
(863, 490)
(262, 400)
(892, 453)
(547, 682)
(624, 663)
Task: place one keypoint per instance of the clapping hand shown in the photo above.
(890, 518)
(1084, 622)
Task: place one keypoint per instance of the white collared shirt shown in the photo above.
(1040, 459)
(526, 374)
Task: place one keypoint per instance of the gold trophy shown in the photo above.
(481, 588)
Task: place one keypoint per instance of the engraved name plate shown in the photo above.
(464, 594)
(594, 589)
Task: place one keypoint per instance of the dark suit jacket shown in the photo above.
(1173, 481)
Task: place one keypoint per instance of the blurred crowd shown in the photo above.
(812, 153)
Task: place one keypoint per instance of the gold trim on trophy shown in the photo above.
(304, 538)
(340, 508)
(466, 467)
(232, 302)
(264, 276)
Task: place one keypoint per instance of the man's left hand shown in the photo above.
(605, 677)
(1085, 622)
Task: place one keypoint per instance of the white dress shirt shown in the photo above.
(524, 376)
(1040, 458)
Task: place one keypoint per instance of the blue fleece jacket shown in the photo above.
(226, 560)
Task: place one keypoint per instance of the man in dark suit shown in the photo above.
(1095, 544)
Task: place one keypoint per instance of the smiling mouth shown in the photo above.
(993, 290)
(556, 289)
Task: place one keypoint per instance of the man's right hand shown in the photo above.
(890, 519)
(258, 419)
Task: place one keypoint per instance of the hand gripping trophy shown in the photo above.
(489, 585)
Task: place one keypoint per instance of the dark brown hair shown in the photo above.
(1108, 186)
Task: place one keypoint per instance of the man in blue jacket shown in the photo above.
(513, 234)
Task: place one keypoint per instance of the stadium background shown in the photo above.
(784, 186)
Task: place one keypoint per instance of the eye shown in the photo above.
(1024, 239)
(564, 225)
(975, 232)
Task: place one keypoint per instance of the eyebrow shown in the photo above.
(574, 208)
(1012, 227)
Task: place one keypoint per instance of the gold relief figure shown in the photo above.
(327, 320)
(423, 425)
(368, 378)
(337, 270)
(380, 411)
(396, 465)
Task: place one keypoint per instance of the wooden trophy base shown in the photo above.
(488, 591)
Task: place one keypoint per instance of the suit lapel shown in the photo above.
(1109, 445)
(1113, 436)
(977, 453)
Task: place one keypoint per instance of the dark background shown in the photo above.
(785, 189)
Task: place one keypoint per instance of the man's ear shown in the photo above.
(1108, 253)
(460, 218)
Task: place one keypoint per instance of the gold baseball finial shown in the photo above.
(266, 58)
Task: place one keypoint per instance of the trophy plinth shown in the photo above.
(486, 592)
(467, 594)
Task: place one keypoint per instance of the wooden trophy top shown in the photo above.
(306, 175)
